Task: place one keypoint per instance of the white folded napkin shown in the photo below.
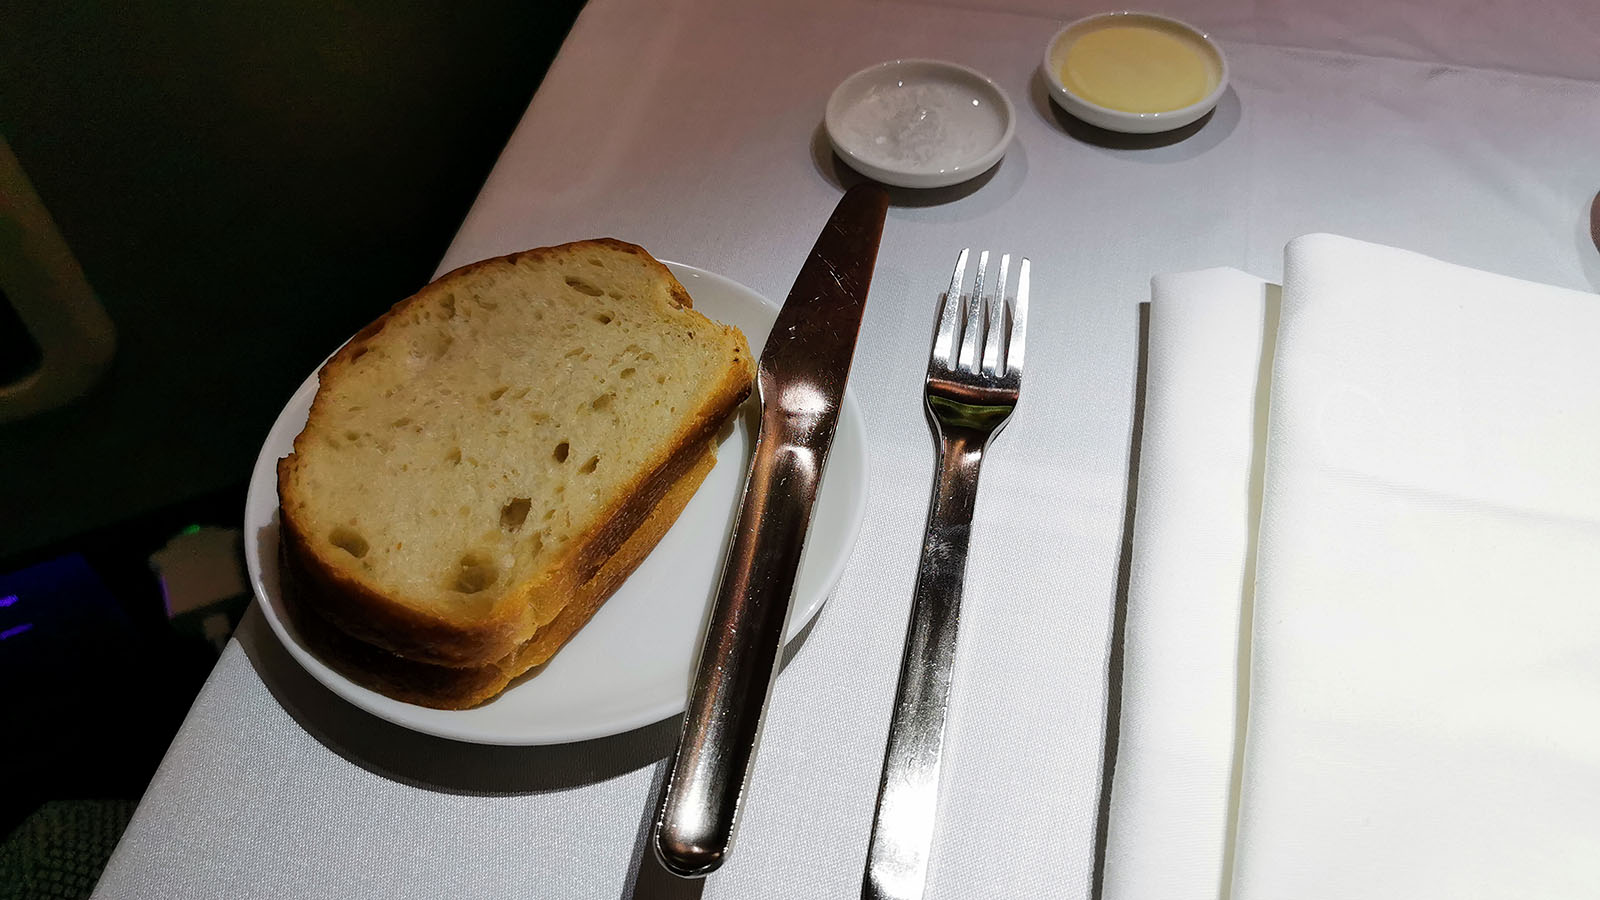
(1424, 687)
(1194, 525)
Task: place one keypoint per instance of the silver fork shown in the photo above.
(974, 375)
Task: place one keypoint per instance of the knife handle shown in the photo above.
(700, 799)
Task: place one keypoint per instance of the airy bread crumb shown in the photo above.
(474, 457)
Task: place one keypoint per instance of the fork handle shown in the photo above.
(902, 825)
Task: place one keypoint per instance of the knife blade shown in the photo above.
(801, 380)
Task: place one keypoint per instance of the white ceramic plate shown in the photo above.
(919, 123)
(630, 666)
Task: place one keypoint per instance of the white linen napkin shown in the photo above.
(1424, 687)
(1194, 525)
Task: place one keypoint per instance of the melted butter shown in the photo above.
(1141, 68)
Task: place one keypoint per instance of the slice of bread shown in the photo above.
(477, 460)
(449, 687)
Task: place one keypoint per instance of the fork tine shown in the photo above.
(950, 314)
(993, 345)
(973, 334)
(1019, 322)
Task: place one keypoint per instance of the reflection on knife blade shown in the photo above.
(801, 379)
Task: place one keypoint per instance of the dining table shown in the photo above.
(1466, 130)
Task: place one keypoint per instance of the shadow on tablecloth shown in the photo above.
(434, 763)
(437, 764)
(1119, 615)
(647, 880)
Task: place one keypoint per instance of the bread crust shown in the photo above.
(446, 687)
(428, 635)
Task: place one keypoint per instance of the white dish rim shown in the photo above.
(1122, 120)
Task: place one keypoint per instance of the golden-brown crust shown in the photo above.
(426, 635)
(446, 687)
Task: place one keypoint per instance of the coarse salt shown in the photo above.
(930, 126)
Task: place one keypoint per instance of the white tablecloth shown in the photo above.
(693, 127)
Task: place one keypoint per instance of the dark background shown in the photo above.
(245, 184)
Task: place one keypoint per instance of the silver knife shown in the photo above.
(801, 382)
